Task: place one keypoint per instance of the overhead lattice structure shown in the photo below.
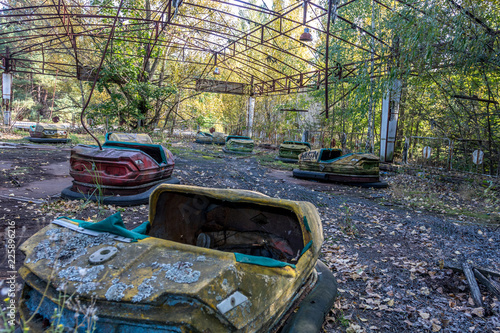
(224, 46)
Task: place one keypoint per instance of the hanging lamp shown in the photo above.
(306, 36)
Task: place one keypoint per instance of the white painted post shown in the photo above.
(389, 123)
(305, 136)
(250, 113)
(6, 96)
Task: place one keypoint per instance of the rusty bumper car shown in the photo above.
(128, 137)
(204, 137)
(329, 165)
(122, 173)
(208, 260)
(236, 144)
(217, 138)
(48, 133)
(290, 150)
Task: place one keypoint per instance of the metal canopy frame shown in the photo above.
(71, 38)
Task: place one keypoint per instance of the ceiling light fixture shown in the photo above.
(306, 36)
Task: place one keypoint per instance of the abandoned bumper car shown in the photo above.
(329, 165)
(236, 144)
(123, 173)
(208, 138)
(208, 260)
(48, 133)
(290, 150)
(128, 137)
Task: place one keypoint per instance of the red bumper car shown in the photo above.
(122, 173)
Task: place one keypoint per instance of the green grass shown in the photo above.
(269, 160)
(20, 171)
(15, 136)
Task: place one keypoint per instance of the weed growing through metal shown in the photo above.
(98, 192)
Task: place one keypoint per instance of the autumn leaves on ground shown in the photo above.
(386, 247)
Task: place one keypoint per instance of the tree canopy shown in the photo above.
(445, 52)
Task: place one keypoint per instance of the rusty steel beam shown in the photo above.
(245, 54)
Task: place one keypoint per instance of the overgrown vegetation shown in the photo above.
(469, 198)
(444, 52)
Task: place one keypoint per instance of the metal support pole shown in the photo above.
(389, 124)
(250, 114)
(332, 7)
(327, 50)
(7, 89)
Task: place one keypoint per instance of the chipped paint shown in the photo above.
(85, 276)
(75, 273)
(145, 290)
(63, 247)
(244, 309)
(117, 291)
(179, 272)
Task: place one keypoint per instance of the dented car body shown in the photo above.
(211, 260)
(330, 165)
(48, 133)
(239, 144)
(126, 169)
(290, 150)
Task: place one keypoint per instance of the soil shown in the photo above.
(387, 257)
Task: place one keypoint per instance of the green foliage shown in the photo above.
(437, 48)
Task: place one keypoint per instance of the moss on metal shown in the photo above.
(129, 137)
(239, 144)
(330, 161)
(48, 131)
(292, 149)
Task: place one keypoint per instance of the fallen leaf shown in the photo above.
(424, 315)
(353, 328)
(478, 312)
(436, 328)
(425, 291)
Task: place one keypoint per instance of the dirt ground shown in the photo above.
(385, 248)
